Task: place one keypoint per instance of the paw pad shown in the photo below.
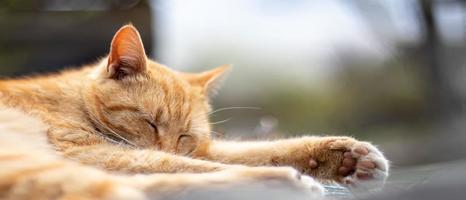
(363, 162)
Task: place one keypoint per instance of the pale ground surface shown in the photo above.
(445, 181)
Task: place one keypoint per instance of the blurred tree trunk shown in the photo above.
(430, 54)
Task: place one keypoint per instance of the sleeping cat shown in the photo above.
(126, 126)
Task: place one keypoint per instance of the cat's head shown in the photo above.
(137, 101)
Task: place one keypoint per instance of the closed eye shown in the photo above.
(153, 126)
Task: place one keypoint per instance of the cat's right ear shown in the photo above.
(127, 55)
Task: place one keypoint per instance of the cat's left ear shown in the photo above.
(210, 81)
(127, 55)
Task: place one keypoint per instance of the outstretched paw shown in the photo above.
(363, 166)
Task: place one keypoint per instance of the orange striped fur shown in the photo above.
(86, 133)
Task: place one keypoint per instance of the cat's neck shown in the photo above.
(44, 92)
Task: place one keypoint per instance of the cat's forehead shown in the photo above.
(172, 98)
(162, 75)
(168, 86)
(157, 70)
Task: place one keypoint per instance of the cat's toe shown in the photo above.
(286, 175)
(315, 187)
(370, 168)
(348, 165)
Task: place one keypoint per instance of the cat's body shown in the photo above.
(130, 115)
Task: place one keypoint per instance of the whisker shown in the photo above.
(222, 121)
(211, 131)
(107, 138)
(114, 133)
(121, 137)
(227, 108)
(232, 108)
(216, 133)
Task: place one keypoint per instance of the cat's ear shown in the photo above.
(127, 54)
(210, 81)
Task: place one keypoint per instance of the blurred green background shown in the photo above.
(391, 72)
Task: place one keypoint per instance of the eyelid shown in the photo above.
(183, 146)
(184, 135)
(153, 125)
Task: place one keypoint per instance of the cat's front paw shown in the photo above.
(363, 166)
(287, 175)
(304, 181)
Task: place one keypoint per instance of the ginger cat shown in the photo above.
(88, 132)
